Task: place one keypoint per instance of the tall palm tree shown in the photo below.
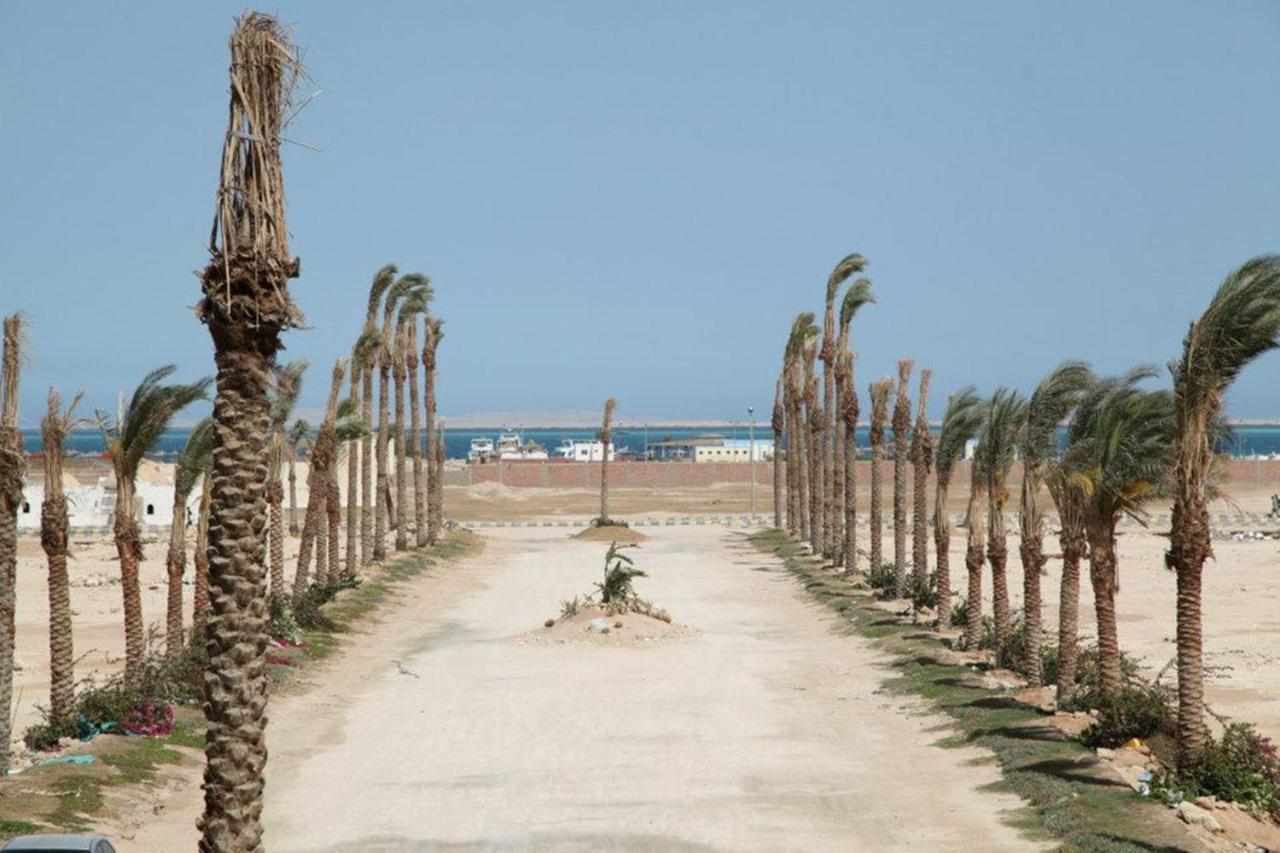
(813, 442)
(921, 462)
(436, 509)
(11, 465)
(128, 440)
(414, 445)
(802, 329)
(777, 422)
(287, 387)
(200, 565)
(1241, 323)
(347, 427)
(387, 359)
(1122, 459)
(975, 552)
(359, 486)
(433, 333)
(999, 447)
(193, 463)
(858, 294)
(959, 424)
(606, 438)
(369, 345)
(53, 537)
(246, 306)
(879, 392)
(1054, 398)
(901, 451)
(315, 527)
(849, 466)
(848, 266)
(400, 372)
(299, 435)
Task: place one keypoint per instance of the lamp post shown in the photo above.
(751, 454)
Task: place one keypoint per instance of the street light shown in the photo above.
(751, 454)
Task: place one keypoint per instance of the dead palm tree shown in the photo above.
(975, 552)
(606, 438)
(879, 392)
(369, 346)
(849, 462)
(921, 462)
(433, 333)
(959, 424)
(1054, 398)
(315, 529)
(777, 423)
(287, 387)
(246, 306)
(848, 266)
(1122, 453)
(129, 438)
(1241, 323)
(11, 465)
(999, 447)
(53, 537)
(901, 453)
(193, 463)
(858, 294)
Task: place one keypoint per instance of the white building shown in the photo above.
(734, 450)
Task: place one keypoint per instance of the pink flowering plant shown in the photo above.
(148, 718)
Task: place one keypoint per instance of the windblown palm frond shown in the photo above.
(802, 329)
(965, 414)
(288, 386)
(1054, 398)
(848, 266)
(147, 416)
(1002, 427)
(382, 280)
(195, 459)
(300, 433)
(855, 297)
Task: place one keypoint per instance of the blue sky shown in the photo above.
(634, 198)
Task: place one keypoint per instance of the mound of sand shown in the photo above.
(497, 491)
(621, 535)
(622, 629)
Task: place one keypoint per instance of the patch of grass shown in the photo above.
(1069, 797)
(12, 828)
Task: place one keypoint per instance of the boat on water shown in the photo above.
(579, 450)
(481, 450)
(512, 446)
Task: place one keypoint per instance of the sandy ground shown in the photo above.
(758, 728)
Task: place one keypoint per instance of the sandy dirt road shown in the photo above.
(455, 726)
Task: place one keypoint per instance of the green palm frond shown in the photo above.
(288, 386)
(382, 280)
(300, 433)
(150, 410)
(195, 459)
(366, 348)
(347, 407)
(802, 329)
(849, 265)
(965, 414)
(415, 302)
(1053, 399)
(350, 427)
(855, 297)
(1001, 429)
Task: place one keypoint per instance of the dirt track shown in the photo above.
(454, 725)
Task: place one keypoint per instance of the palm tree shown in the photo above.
(849, 466)
(288, 385)
(246, 306)
(848, 266)
(777, 422)
(813, 442)
(879, 392)
(387, 359)
(802, 329)
(347, 430)
(11, 465)
(959, 423)
(975, 552)
(200, 565)
(435, 511)
(128, 440)
(1122, 449)
(858, 294)
(921, 461)
(433, 333)
(193, 463)
(414, 446)
(999, 447)
(299, 435)
(53, 537)
(901, 449)
(606, 436)
(1241, 323)
(315, 531)
(1054, 398)
(369, 345)
(400, 372)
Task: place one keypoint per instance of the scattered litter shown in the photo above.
(65, 759)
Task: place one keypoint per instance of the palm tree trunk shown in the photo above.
(998, 554)
(942, 545)
(835, 519)
(275, 547)
(311, 530)
(380, 506)
(293, 488)
(129, 549)
(816, 539)
(1072, 542)
(366, 471)
(353, 485)
(901, 450)
(1189, 547)
(974, 559)
(401, 517)
(829, 415)
(437, 482)
(920, 518)
(200, 559)
(333, 509)
(53, 537)
(1031, 549)
(802, 465)
(414, 447)
(176, 567)
(321, 535)
(876, 533)
(1102, 573)
(11, 464)
(433, 472)
(849, 495)
(778, 496)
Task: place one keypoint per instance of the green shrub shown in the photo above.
(1241, 767)
(1086, 694)
(925, 595)
(959, 614)
(1137, 711)
(605, 521)
(883, 577)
